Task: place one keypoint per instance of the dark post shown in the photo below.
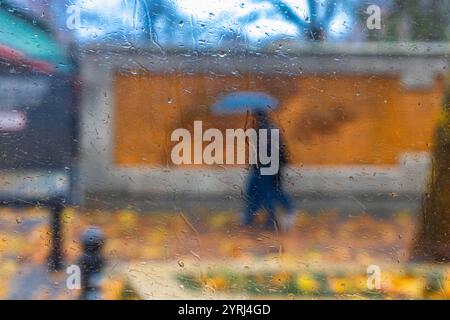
(91, 263)
(55, 260)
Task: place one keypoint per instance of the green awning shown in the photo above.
(31, 40)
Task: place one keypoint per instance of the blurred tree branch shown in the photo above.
(417, 20)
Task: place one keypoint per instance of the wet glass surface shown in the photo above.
(258, 149)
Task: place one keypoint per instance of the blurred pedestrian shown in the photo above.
(266, 191)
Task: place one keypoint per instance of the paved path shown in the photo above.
(37, 283)
(156, 281)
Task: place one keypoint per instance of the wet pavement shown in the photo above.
(149, 252)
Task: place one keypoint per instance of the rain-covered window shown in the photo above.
(224, 149)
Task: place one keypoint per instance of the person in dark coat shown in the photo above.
(266, 191)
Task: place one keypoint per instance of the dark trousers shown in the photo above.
(264, 192)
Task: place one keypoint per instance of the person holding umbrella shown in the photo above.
(262, 191)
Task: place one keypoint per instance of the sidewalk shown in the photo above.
(206, 255)
(283, 278)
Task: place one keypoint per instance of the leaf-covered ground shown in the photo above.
(326, 241)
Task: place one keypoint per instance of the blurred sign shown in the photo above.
(18, 90)
(11, 121)
(33, 185)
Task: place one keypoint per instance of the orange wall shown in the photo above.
(326, 120)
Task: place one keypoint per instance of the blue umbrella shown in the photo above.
(241, 102)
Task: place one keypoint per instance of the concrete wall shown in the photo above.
(417, 65)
